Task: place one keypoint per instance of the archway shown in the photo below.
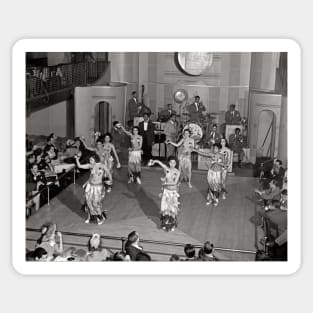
(102, 117)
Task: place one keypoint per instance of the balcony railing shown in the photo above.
(42, 81)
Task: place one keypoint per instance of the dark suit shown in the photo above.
(195, 111)
(214, 137)
(147, 139)
(132, 109)
(132, 251)
(118, 138)
(236, 145)
(232, 117)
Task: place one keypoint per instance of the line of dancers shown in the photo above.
(101, 170)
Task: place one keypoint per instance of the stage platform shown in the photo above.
(136, 207)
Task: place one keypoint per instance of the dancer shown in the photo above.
(107, 159)
(215, 172)
(184, 155)
(94, 188)
(227, 159)
(170, 195)
(134, 156)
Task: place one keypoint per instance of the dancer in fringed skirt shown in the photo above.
(169, 202)
(187, 145)
(94, 189)
(134, 156)
(215, 174)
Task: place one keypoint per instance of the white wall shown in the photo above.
(48, 120)
(86, 99)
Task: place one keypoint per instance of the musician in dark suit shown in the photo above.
(236, 144)
(214, 136)
(166, 114)
(146, 130)
(232, 117)
(196, 109)
(132, 109)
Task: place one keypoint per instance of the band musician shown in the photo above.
(196, 110)
(170, 131)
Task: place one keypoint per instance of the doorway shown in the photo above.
(266, 134)
(102, 117)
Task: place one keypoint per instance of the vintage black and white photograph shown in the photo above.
(156, 156)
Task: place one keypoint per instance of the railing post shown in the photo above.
(123, 244)
(48, 194)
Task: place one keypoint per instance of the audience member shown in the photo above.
(95, 252)
(206, 253)
(48, 241)
(120, 256)
(132, 246)
(190, 252)
(143, 256)
(39, 254)
(174, 257)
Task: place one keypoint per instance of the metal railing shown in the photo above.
(123, 241)
(42, 81)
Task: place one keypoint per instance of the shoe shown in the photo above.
(87, 221)
(223, 196)
(131, 180)
(109, 189)
(138, 180)
(215, 203)
(189, 185)
(208, 202)
(101, 222)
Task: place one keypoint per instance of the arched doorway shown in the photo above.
(102, 117)
(266, 134)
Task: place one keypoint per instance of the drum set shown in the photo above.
(200, 129)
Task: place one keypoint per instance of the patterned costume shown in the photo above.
(184, 158)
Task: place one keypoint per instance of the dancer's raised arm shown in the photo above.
(126, 131)
(83, 166)
(205, 154)
(152, 162)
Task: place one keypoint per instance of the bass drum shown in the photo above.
(196, 131)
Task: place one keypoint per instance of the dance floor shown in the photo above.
(136, 207)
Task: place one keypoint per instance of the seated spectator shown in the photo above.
(48, 241)
(120, 256)
(95, 252)
(50, 150)
(206, 253)
(39, 254)
(51, 141)
(31, 159)
(132, 246)
(278, 172)
(41, 163)
(72, 254)
(174, 257)
(190, 252)
(35, 182)
(273, 193)
(143, 256)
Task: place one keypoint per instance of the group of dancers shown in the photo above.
(101, 168)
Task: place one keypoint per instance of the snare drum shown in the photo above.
(196, 131)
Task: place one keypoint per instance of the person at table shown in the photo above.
(196, 110)
(232, 116)
(170, 131)
(146, 130)
(214, 137)
(236, 144)
(278, 172)
(166, 114)
(132, 109)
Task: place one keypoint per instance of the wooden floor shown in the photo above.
(136, 207)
